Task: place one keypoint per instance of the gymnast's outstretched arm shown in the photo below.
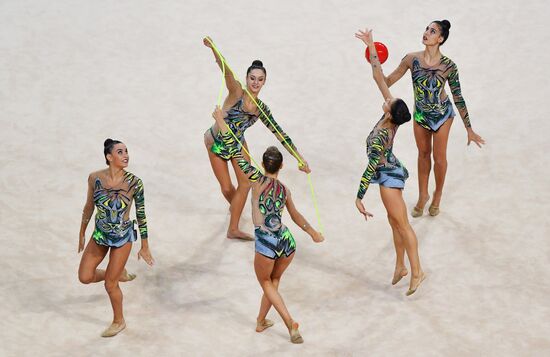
(267, 119)
(378, 144)
(399, 71)
(233, 86)
(377, 74)
(454, 84)
(301, 221)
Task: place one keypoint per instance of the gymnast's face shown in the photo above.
(255, 80)
(118, 157)
(432, 35)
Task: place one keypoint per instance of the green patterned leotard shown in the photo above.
(113, 227)
(432, 106)
(383, 167)
(269, 195)
(239, 120)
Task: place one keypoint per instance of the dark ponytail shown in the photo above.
(272, 160)
(256, 64)
(399, 112)
(444, 27)
(108, 146)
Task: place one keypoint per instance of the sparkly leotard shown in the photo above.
(113, 227)
(432, 106)
(383, 167)
(269, 195)
(238, 121)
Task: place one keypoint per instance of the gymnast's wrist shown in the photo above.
(311, 232)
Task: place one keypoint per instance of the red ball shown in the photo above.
(382, 51)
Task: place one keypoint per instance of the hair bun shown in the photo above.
(107, 142)
(446, 23)
(257, 63)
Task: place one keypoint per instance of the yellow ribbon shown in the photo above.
(295, 154)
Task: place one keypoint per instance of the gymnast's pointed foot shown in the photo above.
(415, 283)
(433, 210)
(398, 274)
(434, 206)
(125, 276)
(114, 329)
(262, 325)
(418, 210)
(238, 234)
(295, 336)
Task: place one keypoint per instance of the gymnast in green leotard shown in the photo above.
(433, 111)
(242, 113)
(275, 245)
(112, 191)
(384, 168)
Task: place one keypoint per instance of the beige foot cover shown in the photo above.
(128, 276)
(113, 330)
(412, 291)
(260, 326)
(397, 278)
(434, 211)
(295, 336)
(417, 212)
